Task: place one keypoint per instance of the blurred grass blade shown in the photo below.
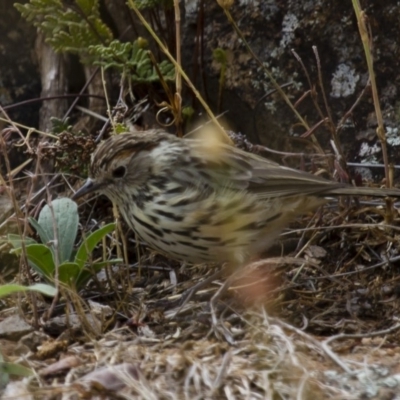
(39, 287)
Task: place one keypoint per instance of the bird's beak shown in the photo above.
(89, 186)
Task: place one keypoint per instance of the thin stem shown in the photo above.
(380, 131)
(179, 68)
(362, 26)
(178, 78)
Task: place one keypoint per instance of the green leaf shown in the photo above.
(48, 290)
(60, 125)
(14, 369)
(91, 242)
(66, 221)
(40, 258)
(4, 380)
(99, 265)
(16, 240)
(68, 273)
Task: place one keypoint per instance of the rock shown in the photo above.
(14, 327)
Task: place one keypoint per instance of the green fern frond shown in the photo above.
(133, 60)
(69, 27)
(76, 27)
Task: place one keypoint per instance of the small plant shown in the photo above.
(57, 227)
(68, 26)
(77, 27)
(9, 368)
(72, 150)
(134, 60)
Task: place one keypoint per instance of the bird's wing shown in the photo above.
(239, 170)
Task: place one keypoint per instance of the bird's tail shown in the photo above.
(363, 191)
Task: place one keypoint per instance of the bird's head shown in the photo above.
(122, 163)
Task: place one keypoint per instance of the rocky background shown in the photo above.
(273, 29)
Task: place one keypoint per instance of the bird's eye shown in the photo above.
(119, 172)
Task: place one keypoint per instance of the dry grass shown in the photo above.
(319, 324)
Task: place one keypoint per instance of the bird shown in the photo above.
(200, 201)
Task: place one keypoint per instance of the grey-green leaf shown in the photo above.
(65, 220)
(39, 229)
(39, 287)
(16, 240)
(9, 368)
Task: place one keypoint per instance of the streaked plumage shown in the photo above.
(200, 201)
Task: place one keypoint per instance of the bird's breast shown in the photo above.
(196, 226)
